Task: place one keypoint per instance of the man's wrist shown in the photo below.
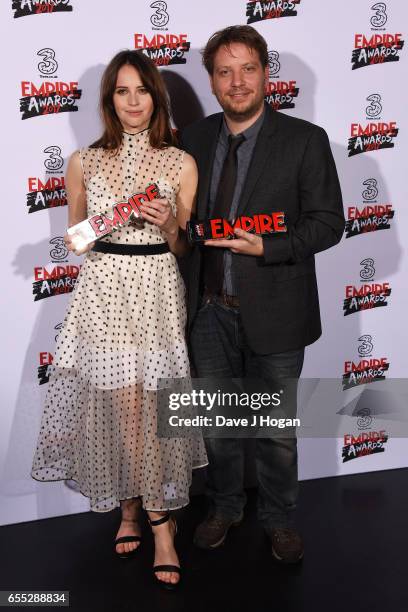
(261, 248)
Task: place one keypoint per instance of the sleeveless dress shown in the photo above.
(124, 330)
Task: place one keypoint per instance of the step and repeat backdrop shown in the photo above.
(338, 64)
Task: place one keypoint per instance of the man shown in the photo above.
(253, 302)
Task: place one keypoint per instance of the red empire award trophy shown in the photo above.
(221, 229)
(100, 225)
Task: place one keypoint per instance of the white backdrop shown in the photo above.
(71, 41)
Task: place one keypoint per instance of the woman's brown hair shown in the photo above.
(161, 135)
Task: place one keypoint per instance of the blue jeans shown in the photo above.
(220, 350)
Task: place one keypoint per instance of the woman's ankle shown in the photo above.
(154, 516)
(130, 508)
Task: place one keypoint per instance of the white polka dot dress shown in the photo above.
(124, 331)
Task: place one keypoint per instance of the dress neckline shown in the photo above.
(129, 139)
(135, 134)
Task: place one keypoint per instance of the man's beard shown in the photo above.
(245, 113)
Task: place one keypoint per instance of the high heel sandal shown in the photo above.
(170, 586)
(132, 538)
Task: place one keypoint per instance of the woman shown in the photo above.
(124, 329)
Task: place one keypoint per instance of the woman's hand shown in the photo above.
(159, 213)
(72, 245)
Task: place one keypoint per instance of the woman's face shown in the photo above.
(133, 103)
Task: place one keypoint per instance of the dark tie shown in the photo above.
(214, 256)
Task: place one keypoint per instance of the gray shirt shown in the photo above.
(244, 156)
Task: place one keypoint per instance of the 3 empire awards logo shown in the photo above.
(22, 8)
(163, 49)
(279, 94)
(377, 48)
(365, 442)
(260, 11)
(374, 135)
(49, 192)
(45, 360)
(371, 216)
(57, 279)
(51, 96)
(368, 369)
(368, 295)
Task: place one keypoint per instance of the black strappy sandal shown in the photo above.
(123, 539)
(170, 586)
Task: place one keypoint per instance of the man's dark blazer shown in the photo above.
(292, 170)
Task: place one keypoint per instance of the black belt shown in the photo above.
(131, 249)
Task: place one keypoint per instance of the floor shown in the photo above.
(355, 530)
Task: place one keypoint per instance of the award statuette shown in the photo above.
(101, 225)
(218, 229)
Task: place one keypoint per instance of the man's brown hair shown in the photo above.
(234, 34)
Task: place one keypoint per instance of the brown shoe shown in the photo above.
(212, 532)
(287, 545)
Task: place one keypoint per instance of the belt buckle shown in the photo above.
(226, 300)
(231, 301)
(207, 297)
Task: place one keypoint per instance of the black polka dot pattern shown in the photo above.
(122, 333)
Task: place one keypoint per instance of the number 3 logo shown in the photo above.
(375, 108)
(60, 251)
(58, 328)
(371, 192)
(274, 64)
(49, 65)
(368, 270)
(161, 17)
(54, 161)
(366, 347)
(380, 17)
(364, 418)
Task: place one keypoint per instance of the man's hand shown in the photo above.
(244, 243)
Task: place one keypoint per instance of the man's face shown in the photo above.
(238, 81)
